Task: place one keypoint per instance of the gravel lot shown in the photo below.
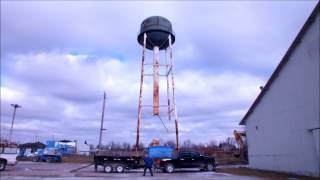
(58, 171)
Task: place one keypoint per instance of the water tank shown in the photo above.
(157, 29)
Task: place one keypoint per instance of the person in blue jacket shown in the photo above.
(148, 162)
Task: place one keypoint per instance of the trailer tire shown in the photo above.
(3, 165)
(119, 168)
(107, 168)
(169, 168)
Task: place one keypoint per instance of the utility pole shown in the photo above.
(102, 119)
(15, 106)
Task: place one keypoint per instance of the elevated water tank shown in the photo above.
(157, 29)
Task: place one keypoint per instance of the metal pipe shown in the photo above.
(140, 93)
(156, 80)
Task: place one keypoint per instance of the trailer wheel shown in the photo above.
(107, 168)
(119, 168)
(169, 168)
(209, 167)
(3, 165)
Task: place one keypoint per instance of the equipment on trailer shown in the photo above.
(49, 155)
(54, 150)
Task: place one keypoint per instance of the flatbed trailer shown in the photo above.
(117, 161)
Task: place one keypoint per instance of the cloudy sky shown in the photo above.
(58, 57)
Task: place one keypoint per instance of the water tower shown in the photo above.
(156, 35)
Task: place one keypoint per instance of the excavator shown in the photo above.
(240, 137)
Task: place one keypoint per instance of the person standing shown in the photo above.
(148, 162)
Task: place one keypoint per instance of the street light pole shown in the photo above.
(15, 106)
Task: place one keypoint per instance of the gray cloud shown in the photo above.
(57, 58)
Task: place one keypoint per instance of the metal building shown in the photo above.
(283, 123)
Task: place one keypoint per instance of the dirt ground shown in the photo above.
(27, 170)
(58, 171)
(244, 171)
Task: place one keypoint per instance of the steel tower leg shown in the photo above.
(168, 86)
(173, 94)
(155, 80)
(140, 93)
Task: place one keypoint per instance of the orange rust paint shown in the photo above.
(156, 80)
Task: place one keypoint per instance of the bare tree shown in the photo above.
(213, 144)
(186, 144)
(170, 143)
(126, 146)
(141, 147)
(228, 145)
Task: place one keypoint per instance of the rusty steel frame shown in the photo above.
(171, 105)
(173, 93)
(155, 80)
(168, 85)
(140, 93)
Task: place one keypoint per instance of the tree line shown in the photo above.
(229, 144)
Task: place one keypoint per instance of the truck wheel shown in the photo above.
(3, 165)
(119, 168)
(209, 167)
(49, 160)
(35, 159)
(107, 168)
(169, 168)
